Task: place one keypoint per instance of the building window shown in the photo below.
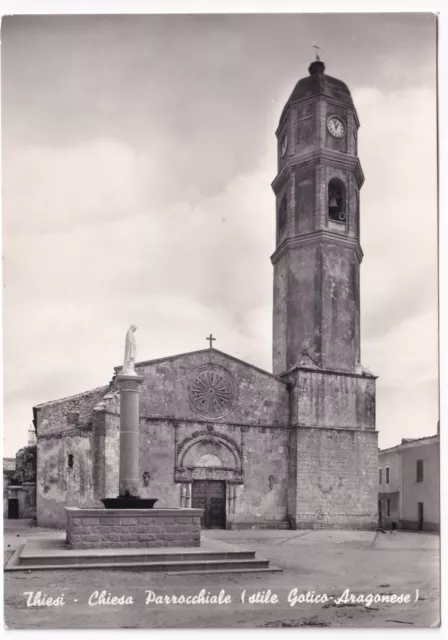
(419, 470)
(73, 417)
(387, 475)
(380, 479)
(388, 507)
(70, 460)
(336, 200)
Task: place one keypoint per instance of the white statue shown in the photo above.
(130, 352)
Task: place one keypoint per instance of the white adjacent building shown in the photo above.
(409, 485)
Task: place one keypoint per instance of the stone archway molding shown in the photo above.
(206, 436)
(188, 474)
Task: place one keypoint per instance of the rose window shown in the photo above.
(211, 391)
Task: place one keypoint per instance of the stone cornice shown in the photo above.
(319, 157)
(330, 372)
(316, 237)
(242, 425)
(321, 428)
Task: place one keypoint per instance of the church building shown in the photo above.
(295, 448)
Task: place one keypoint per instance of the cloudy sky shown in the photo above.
(138, 154)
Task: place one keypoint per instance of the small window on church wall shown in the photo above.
(282, 215)
(73, 417)
(70, 460)
(336, 201)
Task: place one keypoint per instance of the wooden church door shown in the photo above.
(210, 495)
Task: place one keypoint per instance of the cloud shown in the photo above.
(398, 207)
(83, 184)
(92, 250)
(137, 189)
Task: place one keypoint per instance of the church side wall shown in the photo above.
(337, 479)
(59, 485)
(64, 428)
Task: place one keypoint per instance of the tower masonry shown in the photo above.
(316, 317)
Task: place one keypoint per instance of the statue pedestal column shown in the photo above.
(129, 386)
(129, 477)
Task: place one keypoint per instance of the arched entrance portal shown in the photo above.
(208, 470)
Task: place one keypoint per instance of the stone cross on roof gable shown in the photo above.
(210, 338)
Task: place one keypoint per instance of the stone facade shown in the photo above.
(294, 448)
(132, 528)
(250, 443)
(261, 449)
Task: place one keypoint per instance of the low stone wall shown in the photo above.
(133, 528)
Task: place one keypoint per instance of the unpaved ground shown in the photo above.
(312, 561)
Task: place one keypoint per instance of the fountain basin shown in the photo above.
(129, 502)
(92, 528)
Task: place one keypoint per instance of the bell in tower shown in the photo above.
(336, 203)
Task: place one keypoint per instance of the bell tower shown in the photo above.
(333, 450)
(318, 254)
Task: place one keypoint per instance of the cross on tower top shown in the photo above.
(210, 338)
(316, 46)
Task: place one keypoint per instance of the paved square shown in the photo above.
(323, 562)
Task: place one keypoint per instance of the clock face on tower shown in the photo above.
(336, 127)
(284, 145)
